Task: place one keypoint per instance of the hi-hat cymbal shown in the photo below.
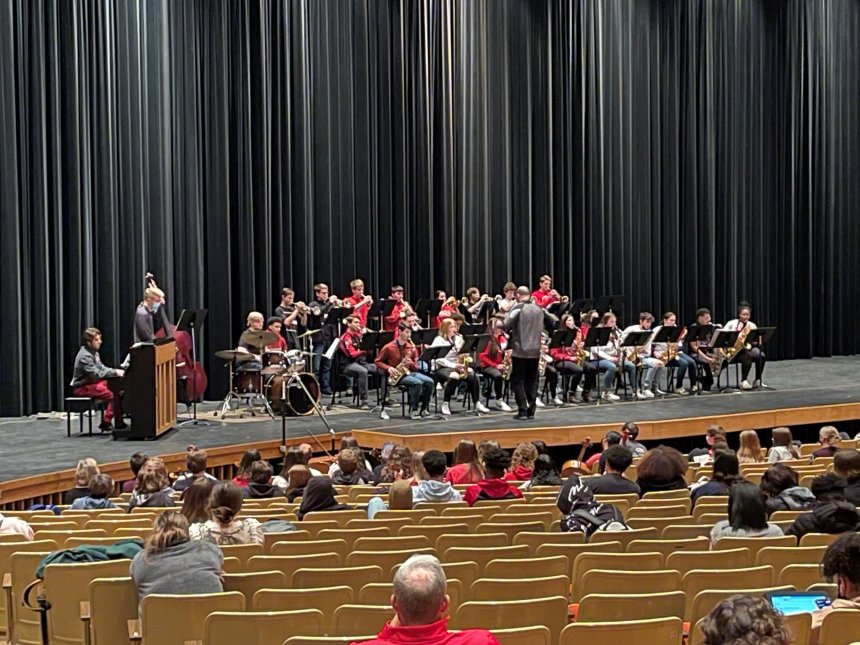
(309, 332)
(259, 338)
(233, 355)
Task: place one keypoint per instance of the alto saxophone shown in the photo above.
(543, 361)
(580, 353)
(463, 363)
(399, 372)
(507, 366)
(740, 343)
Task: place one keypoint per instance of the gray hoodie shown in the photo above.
(430, 490)
(795, 498)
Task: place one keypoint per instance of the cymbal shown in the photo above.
(259, 338)
(309, 332)
(233, 355)
(272, 370)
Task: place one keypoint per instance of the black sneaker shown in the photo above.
(520, 417)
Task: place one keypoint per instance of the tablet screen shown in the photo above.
(798, 603)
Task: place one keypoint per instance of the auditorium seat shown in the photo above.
(351, 535)
(781, 557)
(666, 631)
(495, 614)
(325, 599)
(536, 539)
(339, 517)
(471, 521)
(755, 544)
(667, 547)
(800, 576)
(698, 580)
(173, 619)
(624, 537)
(111, 603)
(602, 608)
(385, 559)
(253, 581)
(508, 588)
(311, 547)
(393, 524)
(471, 540)
(484, 555)
(510, 530)
(432, 532)
(585, 562)
(354, 577)
(703, 602)
(363, 619)
(686, 561)
(604, 581)
(529, 567)
(290, 564)
(399, 543)
(260, 628)
(535, 635)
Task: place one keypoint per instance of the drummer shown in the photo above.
(274, 324)
(255, 323)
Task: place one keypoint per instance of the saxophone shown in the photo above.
(740, 343)
(580, 354)
(507, 365)
(463, 363)
(672, 349)
(399, 372)
(543, 361)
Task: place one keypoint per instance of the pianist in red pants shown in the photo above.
(94, 379)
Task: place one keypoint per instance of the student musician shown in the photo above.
(254, 322)
(509, 297)
(700, 351)
(291, 316)
(402, 351)
(448, 309)
(610, 357)
(747, 357)
(545, 295)
(353, 360)
(449, 370)
(399, 312)
(649, 363)
(146, 313)
(274, 325)
(494, 359)
(94, 379)
(682, 361)
(359, 302)
(476, 309)
(568, 361)
(323, 303)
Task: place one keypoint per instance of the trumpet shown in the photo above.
(464, 301)
(564, 299)
(450, 302)
(336, 302)
(305, 309)
(407, 310)
(363, 302)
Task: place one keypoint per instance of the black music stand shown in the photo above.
(724, 340)
(596, 337)
(433, 310)
(668, 334)
(190, 320)
(471, 329)
(376, 309)
(603, 304)
(424, 336)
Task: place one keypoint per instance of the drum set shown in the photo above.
(275, 381)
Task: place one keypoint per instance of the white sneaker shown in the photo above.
(439, 386)
(480, 407)
(609, 396)
(539, 403)
(757, 384)
(446, 409)
(745, 385)
(641, 395)
(557, 401)
(504, 407)
(680, 390)
(695, 388)
(648, 394)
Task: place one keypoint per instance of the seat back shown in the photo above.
(840, 627)
(270, 539)
(528, 568)
(341, 517)
(604, 581)
(800, 576)
(250, 583)
(685, 531)
(26, 625)
(800, 628)
(432, 532)
(242, 551)
(351, 535)
(536, 635)
(174, 619)
(571, 551)
(704, 601)
(600, 608)
(697, 580)
(535, 539)
(465, 572)
(385, 559)
(685, 561)
(18, 545)
(519, 588)
(666, 631)
(113, 602)
(755, 544)
(364, 619)
(399, 543)
(311, 547)
(622, 561)
(484, 555)
(779, 557)
(354, 577)
(326, 599)
(260, 628)
(667, 547)
(819, 539)
(470, 540)
(624, 537)
(550, 612)
(289, 564)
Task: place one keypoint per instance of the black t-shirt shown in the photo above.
(611, 484)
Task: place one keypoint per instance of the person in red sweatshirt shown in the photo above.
(398, 312)
(491, 360)
(545, 295)
(567, 361)
(493, 485)
(522, 463)
(421, 602)
(353, 360)
(358, 301)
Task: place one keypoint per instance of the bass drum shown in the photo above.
(297, 403)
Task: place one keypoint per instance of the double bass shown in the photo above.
(191, 378)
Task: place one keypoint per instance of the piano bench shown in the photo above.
(80, 405)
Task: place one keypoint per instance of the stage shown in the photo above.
(800, 392)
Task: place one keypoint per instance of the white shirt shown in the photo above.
(15, 526)
(605, 352)
(450, 359)
(644, 350)
(505, 304)
(735, 325)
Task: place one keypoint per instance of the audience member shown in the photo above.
(783, 449)
(726, 469)
(244, 475)
(417, 467)
(195, 500)
(540, 446)
(841, 565)
(611, 438)
(15, 526)
(308, 453)
(319, 496)
(829, 439)
(420, 601)
(544, 474)
(298, 479)
(779, 485)
(292, 457)
(153, 487)
(84, 472)
(467, 467)
(830, 513)
(101, 487)
(629, 432)
(662, 468)
(195, 464)
(493, 485)
(434, 488)
(352, 442)
(747, 515)
(750, 450)
(522, 463)
(350, 470)
(222, 527)
(714, 436)
(260, 486)
(137, 460)
(612, 481)
(744, 620)
(171, 563)
(398, 466)
(399, 499)
(846, 463)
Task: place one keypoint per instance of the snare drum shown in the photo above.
(295, 362)
(249, 382)
(297, 402)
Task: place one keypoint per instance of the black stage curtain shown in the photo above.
(684, 153)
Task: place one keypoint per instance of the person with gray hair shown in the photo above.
(524, 323)
(420, 602)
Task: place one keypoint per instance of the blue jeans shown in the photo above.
(374, 505)
(610, 367)
(685, 363)
(420, 388)
(651, 366)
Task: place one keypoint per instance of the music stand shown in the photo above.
(596, 337)
(376, 309)
(387, 308)
(603, 304)
(668, 334)
(433, 310)
(425, 336)
(723, 339)
(190, 320)
(476, 343)
(471, 329)
(562, 338)
(759, 337)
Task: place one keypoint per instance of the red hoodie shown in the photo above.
(433, 634)
(520, 474)
(461, 474)
(490, 489)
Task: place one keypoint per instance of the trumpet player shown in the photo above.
(545, 295)
(290, 315)
(474, 305)
(568, 360)
(748, 354)
(493, 359)
(651, 364)
(322, 302)
(401, 351)
(448, 309)
(450, 370)
(399, 312)
(508, 298)
(683, 362)
(359, 302)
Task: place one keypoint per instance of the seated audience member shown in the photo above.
(742, 620)
(319, 496)
(841, 565)
(747, 515)
(244, 475)
(399, 499)
(846, 463)
(779, 485)
(714, 436)
(10, 525)
(611, 438)
(297, 480)
(308, 453)
(195, 500)
(540, 446)
(750, 449)
(493, 485)
(417, 468)
(171, 563)
(137, 460)
(84, 472)
(726, 469)
(421, 605)
(830, 513)
(783, 449)
(260, 486)
(434, 488)
(153, 488)
(612, 481)
(829, 439)
(544, 474)
(351, 470)
(398, 466)
(629, 432)
(292, 457)
(662, 468)
(101, 487)
(222, 527)
(352, 442)
(467, 467)
(522, 463)
(195, 464)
